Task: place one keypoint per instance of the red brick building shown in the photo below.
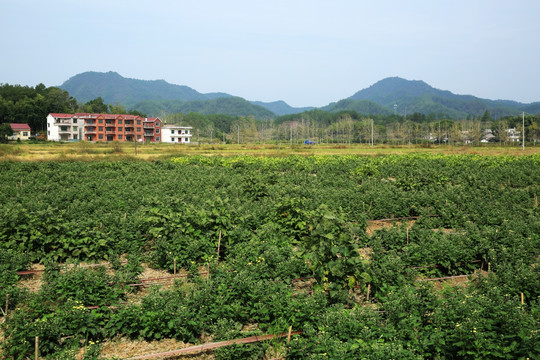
(103, 127)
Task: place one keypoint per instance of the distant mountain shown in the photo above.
(155, 97)
(233, 106)
(412, 96)
(360, 106)
(281, 107)
(114, 88)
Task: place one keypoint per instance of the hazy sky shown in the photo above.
(307, 53)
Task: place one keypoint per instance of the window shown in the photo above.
(157, 138)
(74, 128)
(119, 137)
(119, 129)
(119, 121)
(139, 137)
(139, 129)
(172, 132)
(74, 121)
(138, 122)
(100, 128)
(157, 131)
(75, 137)
(48, 124)
(48, 132)
(25, 133)
(100, 136)
(100, 121)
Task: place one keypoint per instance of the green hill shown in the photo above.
(386, 97)
(114, 88)
(281, 107)
(412, 96)
(360, 106)
(233, 106)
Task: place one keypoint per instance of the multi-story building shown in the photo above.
(102, 127)
(64, 127)
(152, 129)
(111, 127)
(176, 134)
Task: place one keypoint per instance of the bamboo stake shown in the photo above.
(522, 299)
(407, 236)
(219, 244)
(289, 334)
(535, 200)
(37, 348)
(368, 291)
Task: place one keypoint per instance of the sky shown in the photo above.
(305, 52)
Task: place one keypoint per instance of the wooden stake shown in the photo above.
(489, 266)
(174, 266)
(7, 304)
(219, 244)
(535, 200)
(289, 334)
(37, 348)
(407, 235)
(522, 299)
(368, 291)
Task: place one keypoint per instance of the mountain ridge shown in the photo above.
(385, 97)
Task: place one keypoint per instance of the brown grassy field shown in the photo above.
(86, 151)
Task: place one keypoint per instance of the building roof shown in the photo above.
(20, 127)
(172, 126)
(57, 115)
(95, 116)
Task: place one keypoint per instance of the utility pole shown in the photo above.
(523, 119)
(290, 128)
(371, 132)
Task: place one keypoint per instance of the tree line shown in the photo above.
(31, 105)
(350, 127)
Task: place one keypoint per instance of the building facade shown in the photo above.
(102, 127)
(20, 131)
(64, 127)
(152, 129)
(176, 134)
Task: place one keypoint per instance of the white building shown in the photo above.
(64, 127)
(513, 135)
(176, 134)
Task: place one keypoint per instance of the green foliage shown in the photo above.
(331, 249)
(5, 132)
(276, 220)
(89, 286)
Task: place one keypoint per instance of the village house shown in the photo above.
(176, 134)
(20, 131)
